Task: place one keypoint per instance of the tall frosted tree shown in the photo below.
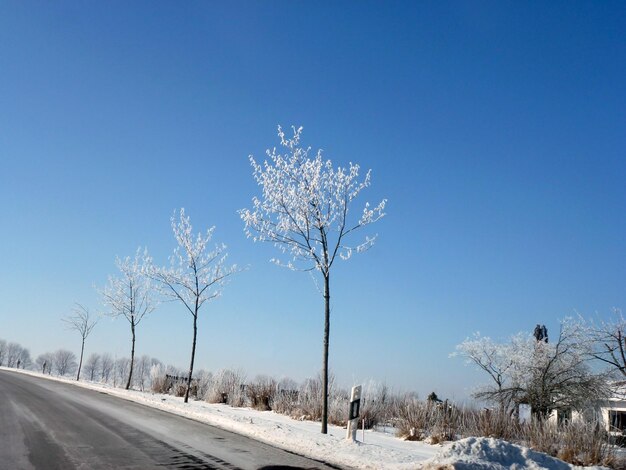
(80, 322)
(130, 296)
(196, 274)
(305, 210)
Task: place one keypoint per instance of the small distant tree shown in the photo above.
(196, 274)
(80, 322)
(106, 367)
(24, 359)
(65, 362)
(92, 365)
(13, 354)
(121, 367)
(130, 296)
(304, 210)
(45, 362)
(144, 364)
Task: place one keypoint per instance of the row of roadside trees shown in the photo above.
(304, 209)
(14, 355)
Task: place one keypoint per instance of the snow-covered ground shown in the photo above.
(375, 450)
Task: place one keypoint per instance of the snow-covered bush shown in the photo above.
(262, 392)
(310, 397)
(203, 384)
(338, 404)
(490, 423)
(580, 442)
(227, 387)
(158, 380)
(377, 404)
(286, 398)
(414, 418)
(585, 443)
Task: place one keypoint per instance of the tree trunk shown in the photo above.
(132, 355)
(325, 362)
(80, 363)
(193, 355)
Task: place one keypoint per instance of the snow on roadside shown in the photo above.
(377, 451)
(483, 453)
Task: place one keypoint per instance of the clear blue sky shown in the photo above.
(496, 130)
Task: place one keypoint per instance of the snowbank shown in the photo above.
(482, 453)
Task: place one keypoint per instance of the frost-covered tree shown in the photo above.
(13, 354)
(92, 365)
(498, 360)
(64, 362)
(196, 274)
(45, 362)
(143, 365)
(24, 359)
(606, 341)
(121, 368)
(130, 296)
(547, 376)
(106, 367)
(304, 210)
(80, 322)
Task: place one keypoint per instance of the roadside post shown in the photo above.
(353, 413)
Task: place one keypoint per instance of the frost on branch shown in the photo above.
(196, 273)
(130, 295)
(305, 204)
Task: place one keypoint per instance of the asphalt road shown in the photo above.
(50, 425)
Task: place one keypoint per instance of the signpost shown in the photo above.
(353, 412)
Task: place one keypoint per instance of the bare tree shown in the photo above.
(143, 371)
(130, 296)
(560, 377)
(496, 359)
(606, 341)
(121, 367)
(65, 362)
(196, 275)
(548, 376)
(304, 210)
(24, 359)
(106, 367)
(45, 362)
(92, 365)
(13, 353)
(79, 321)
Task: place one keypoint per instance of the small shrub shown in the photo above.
(203, 386)
(376, 405)
(490, 423)
(262, 392)
(413, 418)
(158, 379)
(227, 387)
(585, 443)
(286, 397)
(179, 389)
(338, 404)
